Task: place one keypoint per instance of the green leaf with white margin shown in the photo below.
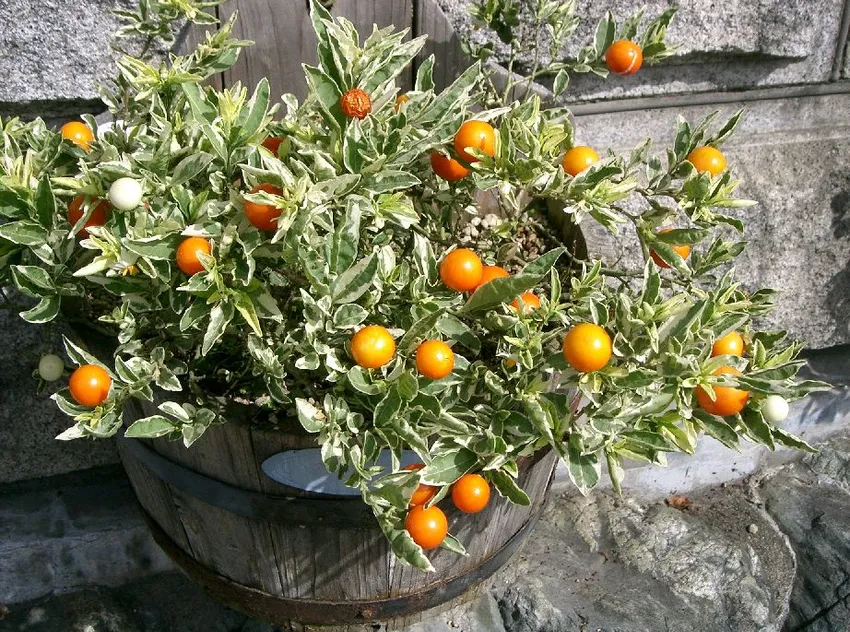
(328, 94)
(79, 356)
(33, 281)
(354, 144)
(418, 330)
(451, 543)
(311, 418)
(448, 100)
(790, 440)
(445, 469)
(584, 469)
(507, 487)
(190, 167)
(717, 429)
(150, 428)
(24, 233)
(245, 306)
(353, 283)
(203, 114)
(615, 469)
(46, 310)
(220, 317)
(425, 75)
(347, 235)
(252, 116)
(391, 64)
(505, 289)
(45, 203)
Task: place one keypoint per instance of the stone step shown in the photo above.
(768, 554)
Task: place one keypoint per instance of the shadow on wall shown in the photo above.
(838, 296)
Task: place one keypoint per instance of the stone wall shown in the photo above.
(786, 61)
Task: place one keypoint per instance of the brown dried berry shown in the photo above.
(355, 104)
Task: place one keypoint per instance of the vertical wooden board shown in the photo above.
(449, 59)
(364, 15)
(155, 498)
(235, 547)
(188, 39)
(281, 32)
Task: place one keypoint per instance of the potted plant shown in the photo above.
(326, 262)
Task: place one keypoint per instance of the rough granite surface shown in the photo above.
(30, 421)
(733, 46)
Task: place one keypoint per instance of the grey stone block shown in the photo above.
(810, 502)
(736, 45)
(792, 156)
(86, 532)
(54, 50)
(29, 422)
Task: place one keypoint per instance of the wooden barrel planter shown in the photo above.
(280, 554)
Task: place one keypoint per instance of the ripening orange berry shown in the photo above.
(708, 160)
(187, 254)
(428, 527)
(682, 250)
(434, 359)
(530, 302)
(423, 492)
(475, 135)
(263, 216)
(448, 168)
(624, 57)
(578, 159)
(355, 104)
(78, 133)
(728, 400)
(461, 270)
(730, 344)
(587, 347)
(98, 216)
(471, 493)
(89, 385)
(272, 143)
(401, 100)
(488, 273)
(372, 347)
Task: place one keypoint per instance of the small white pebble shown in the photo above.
(753, 528)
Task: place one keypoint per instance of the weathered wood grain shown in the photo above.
(284, 38)
(443, 43)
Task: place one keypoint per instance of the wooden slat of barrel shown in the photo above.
(187, 42)
(284, 38)
(450, 60)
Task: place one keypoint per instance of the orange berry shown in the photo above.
(263, 216)
(587, 347)
(730, 344)
(461, 270)
(428, 527)
(78, 133)
(728, 399)
(578, 159)
(434, 359)
(401, 100)
(624, 57)
(187, 254)
(355, 104)
(448, 168)
(708, 160)
(98, 216)
(89, 385)
(682, 250)
(424, 492)
(475, 135)
(530, 302)
(272, 143)
(372, 347)
(471, 493)
(488, 273)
